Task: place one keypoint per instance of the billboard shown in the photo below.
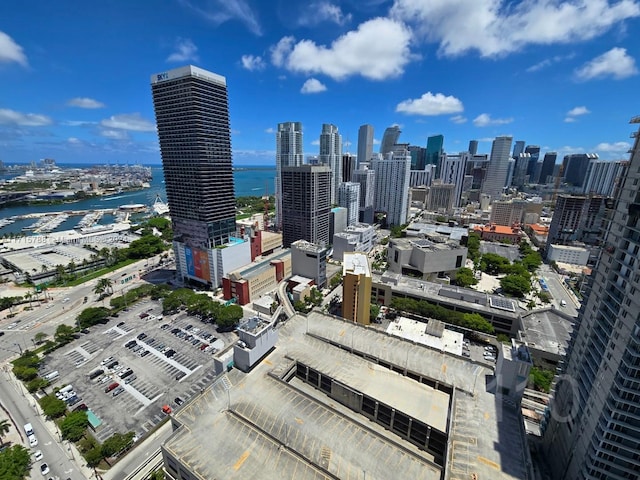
(197, 263)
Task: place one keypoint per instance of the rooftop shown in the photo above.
(548, 330)
(355, 263)
(415, 331)
(455, 233)
(307, 246)
(271, 417)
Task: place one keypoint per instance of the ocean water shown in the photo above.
(248, 180)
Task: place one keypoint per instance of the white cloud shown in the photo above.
(77, 123)
(114, 134)
(270, 130)
(74, 141)
(129, 121)
(84, 102)
(315, 142)
(458, 119)
(251, 62)
(430, 104)
(10, 51)
(220, 11)
(376, 141)
(569, 119)
(501, 27)
(185, 51)
(11, 117)
(547, 62)
(318, 12)
(614, 63)
(576, 111)
(313, 85)
(617, 147)
(377, 50)
(485, 120)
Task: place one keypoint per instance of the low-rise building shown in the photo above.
(309, 260)
(573, 255)
(356, 238)
(426, 259)
(499, 233)
(257, 338)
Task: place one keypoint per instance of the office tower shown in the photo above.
(602, 176)
(349, 198)
(576, 166)
(441, 197)
(507, 213)
(576, 218)
(511, 166)
(365, 144)
(452, 171)
(520, 170)
(534, 151)
(518, 148)
(348, 166)
(593, 425)
(389, 139)
(477, 169)
(419, 178)
(192, 116)
(435, 145)
(473, 147)
(331, 155)
(356, 287)
(418, 157)
(367, 180)
(548, 164)
(289, 153)
(392, 186)
(305, 204)
(498, 167)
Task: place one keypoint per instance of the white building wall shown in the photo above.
(349, 198)
(452, 171)
(392, 186)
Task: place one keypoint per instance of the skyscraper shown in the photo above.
(498, 167)
(576, 166)
(473, 147)
(288, 154)
(602, 176)
(348, 166)
(389, 139)
(453, 171)
(548, 164)
(435, 145)
(365, 144)
(349, 198)
(593, 427)
(192, 116)
(534, 151)
(367, 180)
(518, 148)
(331, 155)
(305, 204)
(392, 186)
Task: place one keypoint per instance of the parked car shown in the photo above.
(82, 406)
(144, 353)
(37, 456)
(111, 387)
(170, 353)
(33, 441)
(179, 401)
(118, 391)
(44, 469)
(130, 379)
(142, 336)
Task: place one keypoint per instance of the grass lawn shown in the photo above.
(98, 273)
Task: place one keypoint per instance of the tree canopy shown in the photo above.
(465, 277)
(92, 316)
(64, 334)
(116, 443)
(15, 463)
(202, 305)
(74, 425)
(52, 406)
(516, 285)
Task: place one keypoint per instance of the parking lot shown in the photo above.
(154, 360)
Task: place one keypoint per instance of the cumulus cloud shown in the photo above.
(251, 62)
(430, 104)
(485, 120)
(114, 134)
(576, 112)
(218, 12)
(10, 51)
(318, 12)
(11, 117)
(313, 85)
(615, 63)
(616, 147)
(270, 130)
(377, 50)
(501, 27)
(185, 51)
(84, 102)
(459, 119)
(547, 62)
(128, 121)
(74, 141)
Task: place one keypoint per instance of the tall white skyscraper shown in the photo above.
(288, 154)
(331, 155)
(498, 169)
(365, 143)
(367, 180)
(349, 198)
(392, 185)
(452, 171)
(602, 176)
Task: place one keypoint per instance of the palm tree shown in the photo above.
(104, 287)
(28, 296)
(5, 426)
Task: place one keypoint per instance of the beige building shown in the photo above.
(356, 297)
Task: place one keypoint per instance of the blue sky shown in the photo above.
(74, 75)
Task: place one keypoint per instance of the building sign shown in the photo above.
(197, 263)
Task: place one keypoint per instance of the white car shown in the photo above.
(44, 469)
(38, 456)
(33, 441)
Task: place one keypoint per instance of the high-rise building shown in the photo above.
(452, 171)
(389, 139)
(548, 164)
(473, 147)
(356, 287)
(534, 151)
(593, 425)
(331, 155)
(367, 180)
(365, 144)
(418, 157)
(576, 218)
(441, 197)
(392, 186)
(289, 153)
(576, 166)
(602, 176)
(192, 116)
(518, 148)
(349, 198)
(424, 177)
(520, 170)
(498, 168)
(507, 213)
(305, 204)
(348, 166)
(435, 149)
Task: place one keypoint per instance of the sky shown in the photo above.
(564, 75)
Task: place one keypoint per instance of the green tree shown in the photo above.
(541, 379)
(74, 425)
(5, 427)
(465, 277)
(52, 406)
(229, 316)
(117, 443)
(36, 384)
(104, 286)
(15, 463)
(39, 337)
(494, 264)
(93, 457)
(64, 334)
(374, 310)
(157, 475)
(92, 316)
(515, 285)
(335, 280)
(473, 247)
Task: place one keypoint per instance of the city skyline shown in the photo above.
(558, 76)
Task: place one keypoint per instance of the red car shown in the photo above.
(111, 387)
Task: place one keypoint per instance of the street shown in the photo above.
(558, 291)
